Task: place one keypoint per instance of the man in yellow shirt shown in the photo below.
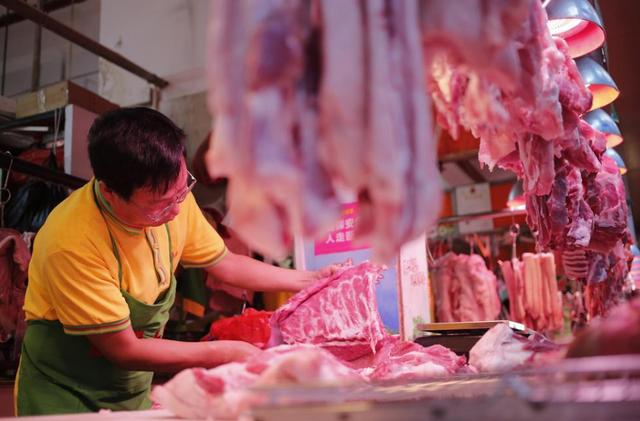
(101, 278)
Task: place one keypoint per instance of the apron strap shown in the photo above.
(170, 249)
(116, 254)
(96, 194)
(114, 246)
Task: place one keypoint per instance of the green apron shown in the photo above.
(62, 373)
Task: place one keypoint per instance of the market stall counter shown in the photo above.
(152, 414)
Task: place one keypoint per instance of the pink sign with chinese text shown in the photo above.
(340, 239)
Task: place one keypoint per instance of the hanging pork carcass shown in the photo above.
(309, 98)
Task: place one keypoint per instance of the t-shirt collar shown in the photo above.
(105, 206)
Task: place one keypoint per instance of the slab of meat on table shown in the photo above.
(345, 344)
(465, 290)
(502, 349)
(398, 360)
(340, 314)
(223, 392)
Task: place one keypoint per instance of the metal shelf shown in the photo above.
(35, 170)
(46, 117)
(481, 215)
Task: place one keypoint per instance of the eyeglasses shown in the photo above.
(180, 197)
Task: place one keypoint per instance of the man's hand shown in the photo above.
(308, 278)
(326, 271)
(235, 351)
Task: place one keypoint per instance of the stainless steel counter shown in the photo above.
(587, 389)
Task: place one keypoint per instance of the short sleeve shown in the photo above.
(203, 246)
(85, 295)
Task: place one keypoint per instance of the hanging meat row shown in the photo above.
(465, 289)
(534, 298)
(527, 115)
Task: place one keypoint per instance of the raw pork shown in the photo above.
(401, 194)
(587, 211)
(465, 289)
(406, 361)
(14, 262)
(605, 277)
(534, 298)
(343, 94)
(223, 392)
(477, 34)
(527, 117)
(501, 349)
(605, 194)
(507, 110)
(617, 333)
(339, 313)
(514, 281)
(262, 99)
(311, 100)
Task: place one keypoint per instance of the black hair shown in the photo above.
(131, 148)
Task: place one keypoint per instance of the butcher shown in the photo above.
(101, 281)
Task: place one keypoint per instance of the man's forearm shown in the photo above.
(163, 355)
(245, 272)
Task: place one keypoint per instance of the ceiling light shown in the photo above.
(604, 123)
(578, 23)
(516, 199)
(599, 82)
(611, 153)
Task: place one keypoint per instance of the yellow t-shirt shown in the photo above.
(73, 274)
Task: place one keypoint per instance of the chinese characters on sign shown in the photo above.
(414, 292)
(340, 239)
(412, 272)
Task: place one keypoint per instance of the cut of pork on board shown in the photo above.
(223, 392)
(502, 349)
(339, 313)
